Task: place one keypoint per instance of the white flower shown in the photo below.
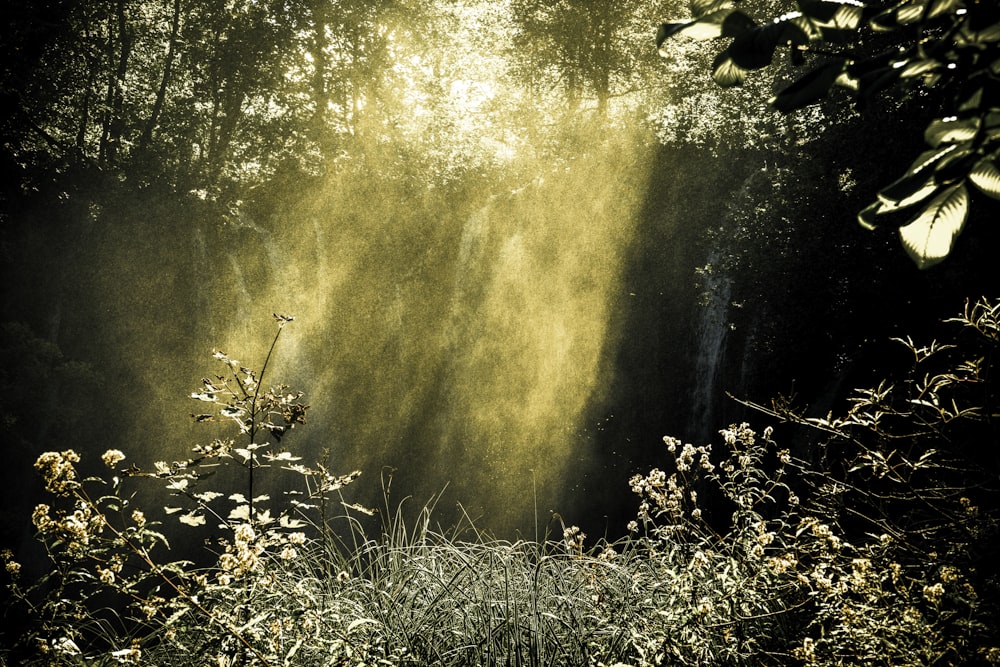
(112, 457)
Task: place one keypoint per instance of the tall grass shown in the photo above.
(873, 550)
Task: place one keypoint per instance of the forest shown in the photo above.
(500, 332)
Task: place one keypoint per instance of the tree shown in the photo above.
(945, 50)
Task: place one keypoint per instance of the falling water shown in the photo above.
(711, 334)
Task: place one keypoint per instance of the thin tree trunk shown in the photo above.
(114, 125)
(161, 93)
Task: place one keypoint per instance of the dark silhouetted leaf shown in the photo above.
(983, 25)
(752, 50)
(755, 48)
(700, 8)
(929, 159)
(736, 24)
(875, 82)
(991, 125)
(845, 14)
(722, 23)
(726, 73)
(808, 88)
(866, 218)
(907, 191)
(930, 236)
(956, 165)
(836, 20)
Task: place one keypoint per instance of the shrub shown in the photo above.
(874, 549)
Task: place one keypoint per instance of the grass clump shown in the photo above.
(868, 546)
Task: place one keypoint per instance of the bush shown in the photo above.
(875, 550)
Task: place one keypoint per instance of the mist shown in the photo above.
(454, 335)
(512, 269)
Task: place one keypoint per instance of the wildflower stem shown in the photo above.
(157, 570)
(253, 419)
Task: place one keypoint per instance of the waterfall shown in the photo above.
(711, 334)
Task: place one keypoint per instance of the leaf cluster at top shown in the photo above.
(869, 48)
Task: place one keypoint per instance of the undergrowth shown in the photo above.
(869, 546)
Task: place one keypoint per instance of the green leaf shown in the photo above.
(808, 88)
(986, 177)
(930, 236)
(951, 130)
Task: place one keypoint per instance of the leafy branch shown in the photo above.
(948, 44)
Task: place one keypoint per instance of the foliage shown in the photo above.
(867, 48)
(871, 550)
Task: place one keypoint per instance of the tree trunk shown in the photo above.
(161, 93)
(114, 123)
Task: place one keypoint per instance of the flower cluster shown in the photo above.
(112, 458)
(76, 528)
(58, 471)
(573, 538)
(242, 555)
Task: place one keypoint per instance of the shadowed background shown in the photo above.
(515, 264)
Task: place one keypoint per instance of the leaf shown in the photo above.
(726, 22)
(240, 513)
(918, 67)
(754, 49)
(808, 88)
(701, 7)
(846, 14)
(951, 130)
(192, 519)
(727, 73)
(909, 190)
(986, 177)
(282, 456)
(928, 239)
(911, 12)
(866, 218)
(956, 165)
(179, 484)
(983, 26)
(837, 20)
(929, 159)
